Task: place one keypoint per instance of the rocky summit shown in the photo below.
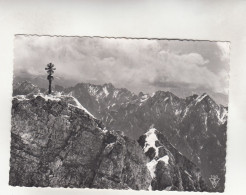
(169, 169)
(56, 142)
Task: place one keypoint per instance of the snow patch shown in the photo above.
(50, 97)
(110, 145)
(152, 95)
(206, 122)
(165, 159)
(199, 160)
(143, 99)
(177, 112)
(185, 113)
(218, 143)
(150, 188)
(168, 188)
(110, 106)
(222, 117)
(21, 97)
(152, 165)
(25, 137)
(166, 99)
(92, 90)
(165, 108)
(105, 90)
(189, 175)
(115, 93)
(150, 141)
(78, 105)
(59, 97)
(200, 98)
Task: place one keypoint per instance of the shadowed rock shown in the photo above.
(57, 143)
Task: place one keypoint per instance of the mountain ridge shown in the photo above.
(195, 125)
(56, 142)
(40, 80)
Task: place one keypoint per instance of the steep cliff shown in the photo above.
(56, 142)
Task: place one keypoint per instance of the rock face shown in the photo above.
(55, 142)
(24, 88)
(195, 125)
(169, 169)
(101, 98)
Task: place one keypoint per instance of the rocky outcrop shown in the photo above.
(195, 126)
(56, 142)
(170, 170)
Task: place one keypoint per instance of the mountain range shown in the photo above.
(195, 126)
(41, 81)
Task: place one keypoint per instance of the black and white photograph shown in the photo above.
(119, 113)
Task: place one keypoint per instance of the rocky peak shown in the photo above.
(204, 99)
(169, 169)
(56, 142)
(164, 97)
(191, 98)
(204, 104)
(163, 94)
(109, 86)
(24, 88)
(140, 94)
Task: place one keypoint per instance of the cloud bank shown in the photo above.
(135, 64)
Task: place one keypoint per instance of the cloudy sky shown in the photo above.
(135, 64)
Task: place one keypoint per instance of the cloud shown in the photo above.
(189, 69)
(224, 48)
(136, 64)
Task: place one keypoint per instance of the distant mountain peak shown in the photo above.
(201, 97)
(164, 93)
(25, 87)
(109, 85)
(207, 101)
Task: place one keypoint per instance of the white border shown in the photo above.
(183, 19)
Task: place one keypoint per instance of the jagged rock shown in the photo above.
(169, 169)
(56, 142)
(195, 125)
